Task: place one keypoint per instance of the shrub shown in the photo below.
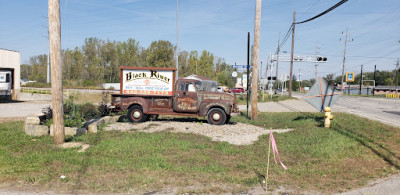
(88, 111)
(76, 122)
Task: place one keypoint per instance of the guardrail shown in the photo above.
(35, 91)
(397, 96)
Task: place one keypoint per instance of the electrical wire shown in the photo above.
(324, 12)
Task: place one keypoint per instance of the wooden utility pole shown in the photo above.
(254, 87)
(56, 71)
(344, 57)
(277, 60)
(291, 56)
(361, 80)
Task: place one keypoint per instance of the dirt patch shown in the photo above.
(11, 119)
(234, 133)
(75, 145)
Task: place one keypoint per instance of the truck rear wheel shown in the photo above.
(216, 116)
(135, 114)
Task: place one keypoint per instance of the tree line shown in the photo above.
(381, 78)
(97, 61)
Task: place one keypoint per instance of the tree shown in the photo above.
(26, 71)
(160, 54)
(206, 65)
(193, 63)
(184, 69)
(39, 68)
(329, 78)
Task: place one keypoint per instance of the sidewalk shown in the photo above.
(292, 105)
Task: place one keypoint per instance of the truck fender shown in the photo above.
(131, 101)
(204, 108)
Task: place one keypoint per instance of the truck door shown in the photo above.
(185, 99)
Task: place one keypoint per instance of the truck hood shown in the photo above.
(216, 96)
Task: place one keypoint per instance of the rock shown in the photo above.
(92, 128)
(32, 120)
(109, 119)
(81, 131)
(72, 131)
(36, 130)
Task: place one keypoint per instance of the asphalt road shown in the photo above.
(19, 110)
(384, 110)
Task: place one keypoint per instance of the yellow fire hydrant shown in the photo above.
(328, 117)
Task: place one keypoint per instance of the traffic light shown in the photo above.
(321, 59)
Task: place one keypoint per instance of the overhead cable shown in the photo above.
(324, 12)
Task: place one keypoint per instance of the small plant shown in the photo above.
(48, 112)
(103, 108)
(77, 122)
(89, 111)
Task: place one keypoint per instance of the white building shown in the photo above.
(10, 73)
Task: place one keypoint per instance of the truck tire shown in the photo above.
(135, 114)
(216, 116)
(228, 118)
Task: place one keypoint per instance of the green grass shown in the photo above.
(329, 160)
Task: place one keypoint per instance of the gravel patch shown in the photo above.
(237, 133)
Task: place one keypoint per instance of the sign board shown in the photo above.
(244, 80)
(241, 66)
(147, 82)
(283, 77)
(322, 95)
(350, 76)
(234, 74)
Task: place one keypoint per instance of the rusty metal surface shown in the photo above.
(183, 103)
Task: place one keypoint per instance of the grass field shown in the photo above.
(354, 151)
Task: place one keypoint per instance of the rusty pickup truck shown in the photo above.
(149, 92)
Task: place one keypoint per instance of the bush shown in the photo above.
(89, 111)
(76, 122)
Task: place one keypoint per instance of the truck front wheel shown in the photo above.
(135, 114)
(216, 116)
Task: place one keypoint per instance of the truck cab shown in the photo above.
(190, 96)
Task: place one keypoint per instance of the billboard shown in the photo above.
(147, 82)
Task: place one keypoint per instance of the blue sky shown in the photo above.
(219, 26)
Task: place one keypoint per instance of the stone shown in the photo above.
(32, 120)
(92, 128)
(36, 130)
(109, 119)
(72, 131)
(81, 131)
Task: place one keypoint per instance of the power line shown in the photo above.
(324, 12)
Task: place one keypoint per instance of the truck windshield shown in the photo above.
(206, 85)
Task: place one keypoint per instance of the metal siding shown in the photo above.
(11, 59)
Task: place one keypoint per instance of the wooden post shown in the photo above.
(56, 71)
(291, 57)
(254, 87)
